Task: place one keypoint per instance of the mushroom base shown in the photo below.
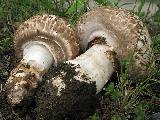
(22, 83)
(25, 77)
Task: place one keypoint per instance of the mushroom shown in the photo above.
(106, 36)
(120, 29)
(40, 42)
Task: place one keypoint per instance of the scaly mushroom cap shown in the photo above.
(121, 30)
(57, 35)
(42, 40)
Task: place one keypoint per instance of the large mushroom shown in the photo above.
(106, 35)
(39, 42)
(120, 29)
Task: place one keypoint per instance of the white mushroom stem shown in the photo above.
(95, 65)
(38, 55)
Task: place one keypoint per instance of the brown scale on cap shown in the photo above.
(122, 30)
(52, 30)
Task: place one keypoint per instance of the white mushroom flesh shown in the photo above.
(96, 63)
(91, 29)
(37, 55)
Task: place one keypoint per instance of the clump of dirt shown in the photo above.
(96, 40)
(78, 99)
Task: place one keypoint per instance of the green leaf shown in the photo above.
(75, 6)
(94, 117)
(139, 111)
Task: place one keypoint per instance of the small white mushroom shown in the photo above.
(40, 42)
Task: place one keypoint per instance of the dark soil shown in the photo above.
(7, 63)
(77, 101)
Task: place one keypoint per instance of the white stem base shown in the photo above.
(96, 63)
(38, 55)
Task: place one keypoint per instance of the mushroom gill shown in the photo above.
(39, 42)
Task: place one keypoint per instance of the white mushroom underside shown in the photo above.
(91, 29)
(95, 64)
(38, 55)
